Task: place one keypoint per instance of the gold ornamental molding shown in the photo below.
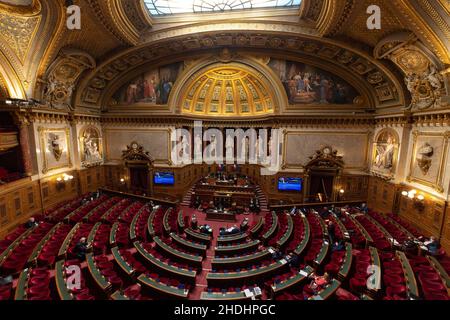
(384, 83)
(437, 182)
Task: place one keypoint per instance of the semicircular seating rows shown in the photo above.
(141, 252)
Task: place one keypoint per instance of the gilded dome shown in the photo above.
(227, 91)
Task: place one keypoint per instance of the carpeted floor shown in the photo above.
(215, 225)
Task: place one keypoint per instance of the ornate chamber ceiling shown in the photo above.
(227, 91)
(330, 34)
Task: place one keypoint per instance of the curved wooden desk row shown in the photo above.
(236, 248)
(150, 228)
(322, 253)
(386, 233)
(328, 291)
(32, 260)
(347, 263)
(133, 224)
(231, 238)
(258, 227)
(375, 259)
(440, 269)
(163, 266)
(22, 285)
(189, 245)
(197, 236)
(287, 235)
(410, 278)
(113, 234)
(242, 260)
(101, 282)
(400, 227)
(124, 202)
(5, 254)
(60, 279)
(161, 288)
(291, 282)
(113, 202)
(232, 296)
(307, 234)
(341, 227)
(363, 231)
(166, 222)
(66, 243)
(269, 233)
(180, 220)
(122, 263)
(182, 256)
(91, 236)
(230, 277)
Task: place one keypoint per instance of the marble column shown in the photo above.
(25, 147)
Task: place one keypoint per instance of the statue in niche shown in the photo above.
(424, 158)
(184, 147)
(198, 146)
(55, 147)
(91, 147)
(385, 154)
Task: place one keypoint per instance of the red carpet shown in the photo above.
(215, 225)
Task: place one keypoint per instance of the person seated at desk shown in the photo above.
(319, 282)
(205, 229)
(364, 208)
(244, 224)
(432, 245)
(31, 223)
(337, 246)
(277, 255)
(293, 260)
(409, 246)
(293, 211)
(233, 230)
(194, 222)
(331, 230)
(81, 248)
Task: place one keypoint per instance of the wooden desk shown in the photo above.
(307, 234)
(410, 278)
(232, 296)
(113, 235)
(272, 228)
(182, 256)
(328, 291)
(96, 275)
(226, 239)
(347, 263)
(22, 284)
(67, 241)
(5, 254)
(235, 249)
(291, 282)
(197, 236)
(32, 260)
(162, 288)
(440, 269)
(125, 266)
(188, 275)
(257, 228)
(288, 234)
(244, 276)
(180, 220)
(190, 246)
(60, 279)
(242, 260)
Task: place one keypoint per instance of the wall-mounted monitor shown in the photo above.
(290, 184)
(163, 178)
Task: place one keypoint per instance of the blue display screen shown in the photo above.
(290, 184)
(164, 178)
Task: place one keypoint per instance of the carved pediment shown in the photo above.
(135, 152)
(326, 158)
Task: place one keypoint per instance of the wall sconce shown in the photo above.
(60, 181)
(122, 181)
(418, 199)
(341, 194)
